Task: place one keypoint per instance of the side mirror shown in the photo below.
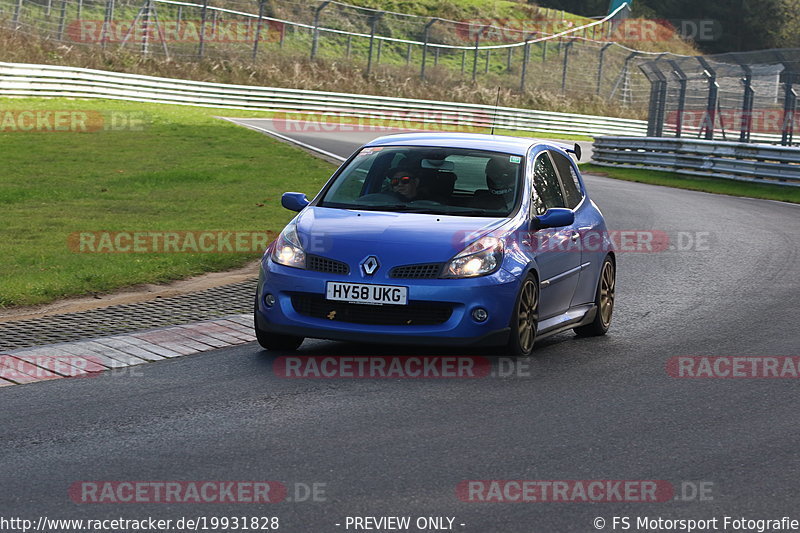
(555, 217)
(294, 201)
(577, 151)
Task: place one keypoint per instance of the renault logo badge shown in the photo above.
(370, 265)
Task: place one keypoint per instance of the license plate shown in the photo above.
(361, 293)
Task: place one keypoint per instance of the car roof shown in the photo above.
(475, 141)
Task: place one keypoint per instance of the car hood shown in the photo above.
(395, 238)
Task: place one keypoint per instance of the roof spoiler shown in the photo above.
(575, 150)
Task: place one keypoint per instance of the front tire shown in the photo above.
(525, 320)
(274, 342)
(604, 302)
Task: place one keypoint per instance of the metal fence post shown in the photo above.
(202, 38)
(425, 35)
(544, 51)
(747, 104)
(258, 28)
(349, 46)
(408, 54)
(488, 58)
(661, 103)
(111, 7)
(106, 22)
(315, 36)
(475, 59)
(651, 71)
(463, 61)
(525, 56)
(17, 11)
(373, 26)
(146, 24)
(600, 66)
(710, 117)
(679, 74)
(567, 48)
(509, 58)
(62, 19)
(789, 110)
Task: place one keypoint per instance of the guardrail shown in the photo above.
(758, 163)
(55, 81)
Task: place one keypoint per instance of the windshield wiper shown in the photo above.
(388, 207)
(469, 212)
(404, 208)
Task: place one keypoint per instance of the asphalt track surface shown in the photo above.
(579, 409)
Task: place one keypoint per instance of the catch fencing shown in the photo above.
(744, 97)
(547, 50)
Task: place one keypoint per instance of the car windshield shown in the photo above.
(451, 181)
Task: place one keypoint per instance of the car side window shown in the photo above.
(546, 189)
(569, 179)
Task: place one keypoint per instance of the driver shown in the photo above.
(501, 178)
(404, 183)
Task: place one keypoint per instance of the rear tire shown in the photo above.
(274, 342)
(603, 301)
(525, 319)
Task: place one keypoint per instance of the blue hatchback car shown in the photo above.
(441, 239)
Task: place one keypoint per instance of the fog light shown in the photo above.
(269, 300)
(480, 314)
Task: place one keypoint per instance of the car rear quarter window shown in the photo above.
(569, 179)
(547, 191)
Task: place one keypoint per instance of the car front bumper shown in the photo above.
(495, 293)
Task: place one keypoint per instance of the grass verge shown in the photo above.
(178, 169)
(696, 183)
(160, 168)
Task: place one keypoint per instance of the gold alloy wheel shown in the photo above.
(607, 284)
(527, 315)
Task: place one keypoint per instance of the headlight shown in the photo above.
(288, 251)
(482, 257)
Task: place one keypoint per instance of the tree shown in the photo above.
(740, 24)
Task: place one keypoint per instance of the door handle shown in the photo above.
(575, 237)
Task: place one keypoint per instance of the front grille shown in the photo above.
(323, 264)
(423, 271)
(413, 314)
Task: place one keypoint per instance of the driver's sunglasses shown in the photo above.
(405, 180)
